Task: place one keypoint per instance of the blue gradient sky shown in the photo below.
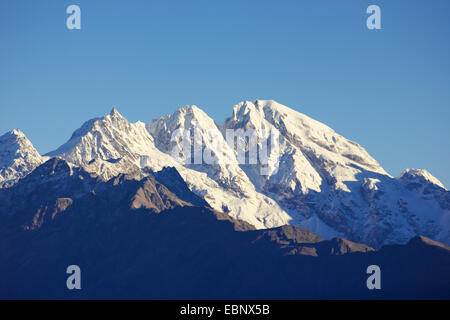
(389, 90)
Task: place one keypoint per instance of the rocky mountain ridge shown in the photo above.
(320, 180)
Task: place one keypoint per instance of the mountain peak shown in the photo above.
(419, 175)
(115, 113)
(261, 102)
(185, 117)
(190, 108)
(424, 241)
(14, 134)
(15, 141)
(247, 112)
(17, 132)
(193, 112)
(100, 142)
(18, 156)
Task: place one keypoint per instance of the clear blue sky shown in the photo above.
(388, 89)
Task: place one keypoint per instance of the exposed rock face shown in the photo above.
(57, 186)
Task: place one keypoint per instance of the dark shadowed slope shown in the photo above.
(137, 239)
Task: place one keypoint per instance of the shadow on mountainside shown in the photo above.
(194, 253)
(138, 239)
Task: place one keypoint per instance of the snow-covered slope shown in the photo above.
(322, 181)
(325, 177)
(110, 145)
(18, 157)
(311, 151)
(419, 178)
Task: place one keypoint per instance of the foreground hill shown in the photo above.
(135, 237)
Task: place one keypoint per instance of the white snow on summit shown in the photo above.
(18, 157)
(224, 185)
(419, 176)
(111, 145)
(323, 182)
(325, 177)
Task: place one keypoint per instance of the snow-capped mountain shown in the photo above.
(312, 151)
(222, 183)
(327, 178)
(320, 180)
(18, 157)
(111, 145)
